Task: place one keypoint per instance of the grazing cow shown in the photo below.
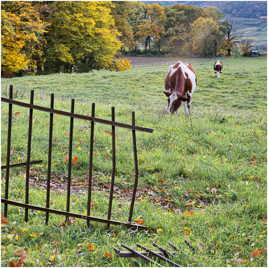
(180, 83)
(218, 66)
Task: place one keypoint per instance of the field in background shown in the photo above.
(204, 182)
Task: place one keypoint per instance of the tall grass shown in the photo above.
(214, 167)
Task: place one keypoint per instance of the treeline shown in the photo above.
(66, 36)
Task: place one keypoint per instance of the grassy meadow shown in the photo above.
(201, 179)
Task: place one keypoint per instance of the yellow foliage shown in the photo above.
(120, 65)
(22, 29)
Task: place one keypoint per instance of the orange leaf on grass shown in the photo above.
(91, 247)
(139, 221)
(4, 220)
(188, 213)
(74, 160)
(17, 113)
(186, 233)
(107, 255)
(257, 252)
(15, 264)
(20, 252)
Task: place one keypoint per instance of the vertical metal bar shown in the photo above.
(90, 162)
(8, 148)
(50, 135)
(70, 159)
(135, 166)
(113, 168)
(29, 148)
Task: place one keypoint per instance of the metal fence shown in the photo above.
(72, 115)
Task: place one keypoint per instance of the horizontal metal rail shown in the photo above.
(83, 117)
(70, 214)
(128, 254)
(23, 164)
(137, 253)
(159, 256)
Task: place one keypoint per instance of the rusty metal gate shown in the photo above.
(31, 106)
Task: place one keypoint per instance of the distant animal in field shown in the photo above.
(218, 66)
(180, 83)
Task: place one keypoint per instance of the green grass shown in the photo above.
(215, 168)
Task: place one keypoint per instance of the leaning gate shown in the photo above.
(26, 204)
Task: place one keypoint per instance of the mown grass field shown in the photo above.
(203, 182)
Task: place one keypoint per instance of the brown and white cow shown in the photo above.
(218, 66)
(180, 83)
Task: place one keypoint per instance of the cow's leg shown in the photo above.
(186, 107)
(218, 74)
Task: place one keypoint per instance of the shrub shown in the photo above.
(120, 65)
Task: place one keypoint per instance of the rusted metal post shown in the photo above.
(159, 256)
(140, 255)
(22, 164)
(164, 251)
(50, 135)
(90, 162)
(135, 167)
(29, 148)
(172, 246)
(9, 128)
(70, 214)
(79, 116)
(113, 168)
(70, 159)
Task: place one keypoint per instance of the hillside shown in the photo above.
(249, 18)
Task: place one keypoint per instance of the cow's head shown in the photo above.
(174, 101)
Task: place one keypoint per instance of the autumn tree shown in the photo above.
(151, 27)
(80, 34)
(121, 12)
(178, 27)
(22, 37)
(205, 37)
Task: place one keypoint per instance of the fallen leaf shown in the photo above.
(252, 163)
(17, 113)
(91, 247)
(159, 230)
(139, 221)
(20, 252)
(107, 255)
(257, 252)
(186, 233)
(52, 258)
(74, 160)
(33, 235)
(15, 264)
(4, 220)
(188, 213)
